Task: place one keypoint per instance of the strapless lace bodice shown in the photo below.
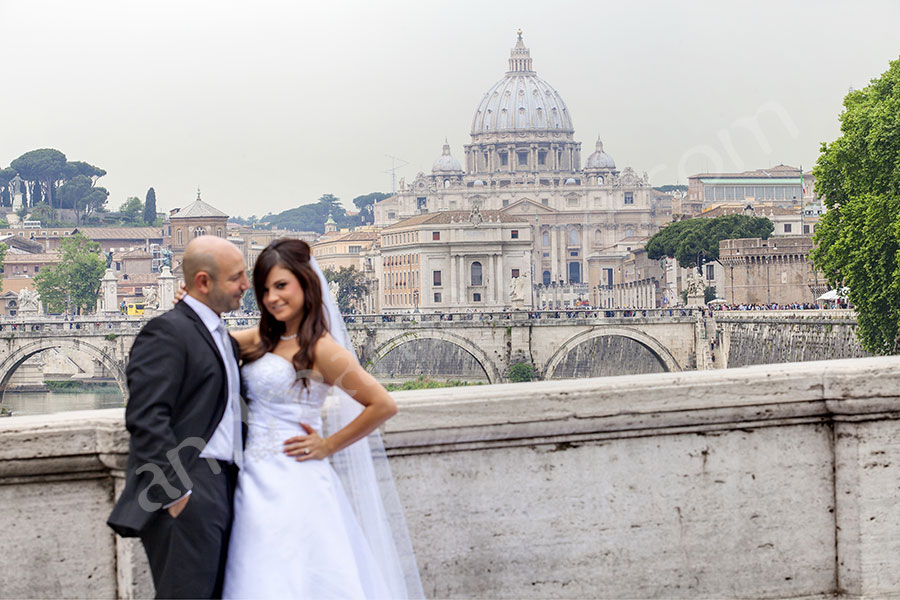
(278, 403)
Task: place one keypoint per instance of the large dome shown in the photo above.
(521, 100)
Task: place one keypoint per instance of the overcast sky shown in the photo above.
(268, 105)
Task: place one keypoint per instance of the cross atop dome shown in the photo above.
(520, 57)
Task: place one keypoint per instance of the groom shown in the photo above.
(184, 416)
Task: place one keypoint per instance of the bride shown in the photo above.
(310, 509)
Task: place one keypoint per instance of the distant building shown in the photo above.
(196, 219)
(523, 161)
(454, 261)
(777, 270)
(782, 186)
(344, 249)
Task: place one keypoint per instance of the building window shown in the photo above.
(787, 227)
(435, 236)
(436, 278)
(573, 237)
(523, 159)
(218, 232)
(574, 272)
(504, 159)
(514, 234)
(546, 277)
(476, 297)
(354, 249)
(545, 201)
(506, 202)
(574, 253)
(421, 203)
(629, 198)
(710, 272)
(545, 237)
(806, 229)
(437, 297)
(178, 237)
(37, 269)
(392, 215)
(476, 273)
(542, 157)
(515, 273)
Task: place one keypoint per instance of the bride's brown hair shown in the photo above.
(294, 256)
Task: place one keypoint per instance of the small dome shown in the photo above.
(446, 163)
(599, 159)
(570, 181)
(478, 183)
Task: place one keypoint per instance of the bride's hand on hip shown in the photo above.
(307, 447)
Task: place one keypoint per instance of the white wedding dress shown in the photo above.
(295, 534)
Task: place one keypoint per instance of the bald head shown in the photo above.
(206, 253)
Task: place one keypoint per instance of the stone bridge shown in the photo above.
(107, 341)
(557, 344)
(484, 346)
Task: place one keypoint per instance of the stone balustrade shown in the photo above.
(761, 482)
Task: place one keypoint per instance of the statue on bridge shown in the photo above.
(28, 301)
(151, 297)
(517, 291)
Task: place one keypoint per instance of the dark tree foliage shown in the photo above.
(366, 206)
(352, 284)
(45, 173)
(150, 207)
(80, 195)
(858, 238)
(683, 240)
(671, 188)
(43, 168)
(312, 217)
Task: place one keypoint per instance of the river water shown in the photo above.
(40, 403)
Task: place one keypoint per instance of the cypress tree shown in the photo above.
(150, 207)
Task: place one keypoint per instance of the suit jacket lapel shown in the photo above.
(204, 332)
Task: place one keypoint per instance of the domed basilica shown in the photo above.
(524, 166)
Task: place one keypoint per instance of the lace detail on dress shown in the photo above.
(278, 403)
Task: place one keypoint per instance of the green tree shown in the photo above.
(74, 283)
(82, 197)
(150, 207)
(366, 206)
(353, 286)
(132, 210)
(858, 238)
(6, 191)
(312, 217)
(683, 240)
(42, 169)
(521, 372)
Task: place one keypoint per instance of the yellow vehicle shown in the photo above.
(134, 309)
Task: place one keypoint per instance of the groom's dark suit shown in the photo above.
(178, 392)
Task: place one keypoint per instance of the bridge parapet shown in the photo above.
(771, 481)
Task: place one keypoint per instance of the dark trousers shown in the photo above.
(187, 554)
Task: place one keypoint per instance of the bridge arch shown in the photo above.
(490, 369)
(22, 353)
(662, 354)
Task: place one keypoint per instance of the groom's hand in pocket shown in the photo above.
(176, 508)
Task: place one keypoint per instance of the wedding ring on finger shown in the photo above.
(306, 451)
